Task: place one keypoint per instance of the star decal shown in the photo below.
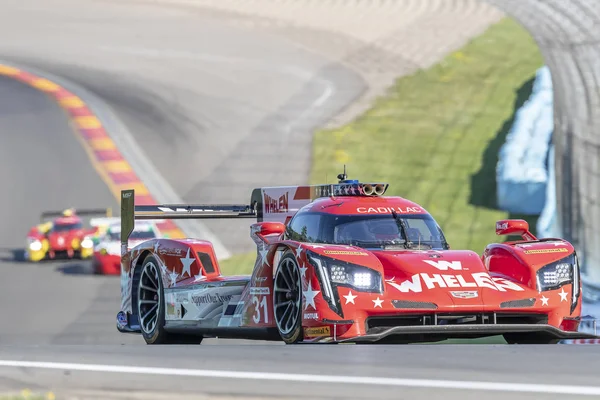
(298, 251)
(377, 302)
(173, 275)
(263, 256)
(309, 295)
(350, 297)
(303, 270)
(563, 295)
(544, 300)
(187, 262)
(156, 247)
(199, 276)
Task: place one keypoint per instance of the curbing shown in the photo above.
(112, 150)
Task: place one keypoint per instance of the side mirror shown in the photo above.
(268, 228)
(514, 227)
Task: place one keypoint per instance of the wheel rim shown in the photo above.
(287, 296)
(149, 297)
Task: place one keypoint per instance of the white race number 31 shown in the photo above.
(257, 306)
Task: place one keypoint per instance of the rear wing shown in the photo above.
(130, 212)
(106, 212)
(280, 203)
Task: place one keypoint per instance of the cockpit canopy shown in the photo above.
(368, 230)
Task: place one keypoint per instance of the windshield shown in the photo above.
(67, 227)
(135, 235)
(368, 231)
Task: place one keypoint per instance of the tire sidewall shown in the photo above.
(158, 333)
(296, 334)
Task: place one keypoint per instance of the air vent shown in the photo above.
(518, 303)
(414, 304)
(206, 262)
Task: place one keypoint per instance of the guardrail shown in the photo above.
(522, 170)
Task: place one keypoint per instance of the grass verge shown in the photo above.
(435, 136)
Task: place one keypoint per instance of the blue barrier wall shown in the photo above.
(522, 170)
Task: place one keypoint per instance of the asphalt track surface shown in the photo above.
(217, 109)
(53, 312)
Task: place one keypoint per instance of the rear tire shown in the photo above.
(287, 299)
(529, 338)
(151, 307)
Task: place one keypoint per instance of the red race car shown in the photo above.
(344, 263)
(107, 253)
(62, 237)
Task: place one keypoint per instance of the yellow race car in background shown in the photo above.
(64, 236)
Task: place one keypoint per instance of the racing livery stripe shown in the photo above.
(102, 151)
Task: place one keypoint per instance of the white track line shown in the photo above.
(362, 380)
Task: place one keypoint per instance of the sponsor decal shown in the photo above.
(182, 297)
(276, 205)
(127, 195)
(260, 290)
(444, 265)
(464, 295)
(345, 253)
(544, 251)
(121, 319)
(311, 315)
(260, 279)
(171, 252)
(170, 309)
(501, 226)
(210, 299)
(481, 279)
(388, 210)
(317, 331)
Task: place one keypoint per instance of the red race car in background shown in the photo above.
(344, 263)
(62, 237)
(107, 253)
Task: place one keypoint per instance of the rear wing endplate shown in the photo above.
(130, 212)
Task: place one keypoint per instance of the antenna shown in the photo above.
(342, 177)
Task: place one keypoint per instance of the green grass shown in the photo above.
(435, 136)
(238, 264)
(26, 394)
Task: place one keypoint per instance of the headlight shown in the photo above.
(333, 273)
(87, 243)
(359, 278)
(35, 245)
(560, 273)
(557, 274)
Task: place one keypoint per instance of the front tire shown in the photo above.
(151, 307)
(287, 299)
